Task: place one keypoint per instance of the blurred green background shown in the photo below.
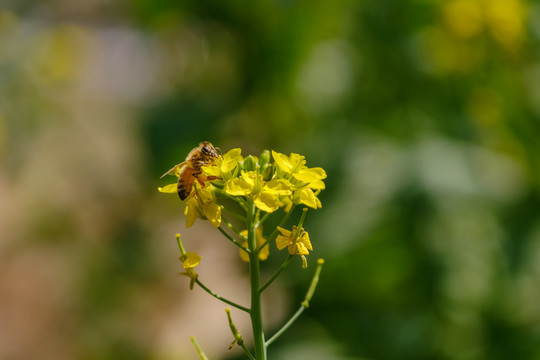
(425, 114)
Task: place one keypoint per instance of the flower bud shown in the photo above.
(250, 163)
(264, 159)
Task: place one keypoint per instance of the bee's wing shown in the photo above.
(173, 169)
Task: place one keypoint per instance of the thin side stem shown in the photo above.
(198, 348)
(237, 337)
(240, 200)
(263, 219)
(246, 351)
(233, 228)
(221, 298)
(233, 213)
(233, 240)
(304, 305)
(281, 268)
(287, 325)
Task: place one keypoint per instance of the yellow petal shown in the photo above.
(192, 259)
(191, 212)
(282, 161)
(305, 241)
(212, 211)
(307, 197)
(212, 170)
(231, 159)
(266, 201)
(238, 187)
(310, 174)
(301, 249)
(264, 252)
(279, 187)
(282, 242)
(250, 177)
(288, 163)
(169, 189)
(284, 232)
(317, 185)
(244, 255)
(292, 248)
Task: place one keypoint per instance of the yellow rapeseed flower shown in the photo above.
(203, 205)
(189, 261)
(224, 165)
(307, 179)
(264, 194)
(296, 242)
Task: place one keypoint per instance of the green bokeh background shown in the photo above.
(425, 115)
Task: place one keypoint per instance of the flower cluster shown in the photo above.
(269, 185)
(269, 182)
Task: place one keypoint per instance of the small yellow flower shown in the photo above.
(295, 165)
(265, 194)
(289, 164)
(308, 179)
(203, 205)
(189, 261)
(224, 165)
(259, 238)
(296, 242)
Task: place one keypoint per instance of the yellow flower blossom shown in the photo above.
(264, 194)
(308, 179)
(224, 165)
(259, 238)
(203, 205)
(189, 261)
(295, 166)
(296, 242)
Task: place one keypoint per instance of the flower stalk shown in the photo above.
(259, 188)
(255, 281)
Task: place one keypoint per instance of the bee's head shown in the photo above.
(208, 149)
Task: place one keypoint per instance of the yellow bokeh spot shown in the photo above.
(505, 19)
(464, 17)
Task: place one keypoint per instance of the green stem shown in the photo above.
(221, 298)
(233, 213)
(237, 337)
(232, 240)
(233, 228)
(198, 348)
(304, 305)
(263, 219)
(287, 325)
(255, 279)
(281, 268)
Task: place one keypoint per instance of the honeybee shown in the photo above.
(190, 169)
